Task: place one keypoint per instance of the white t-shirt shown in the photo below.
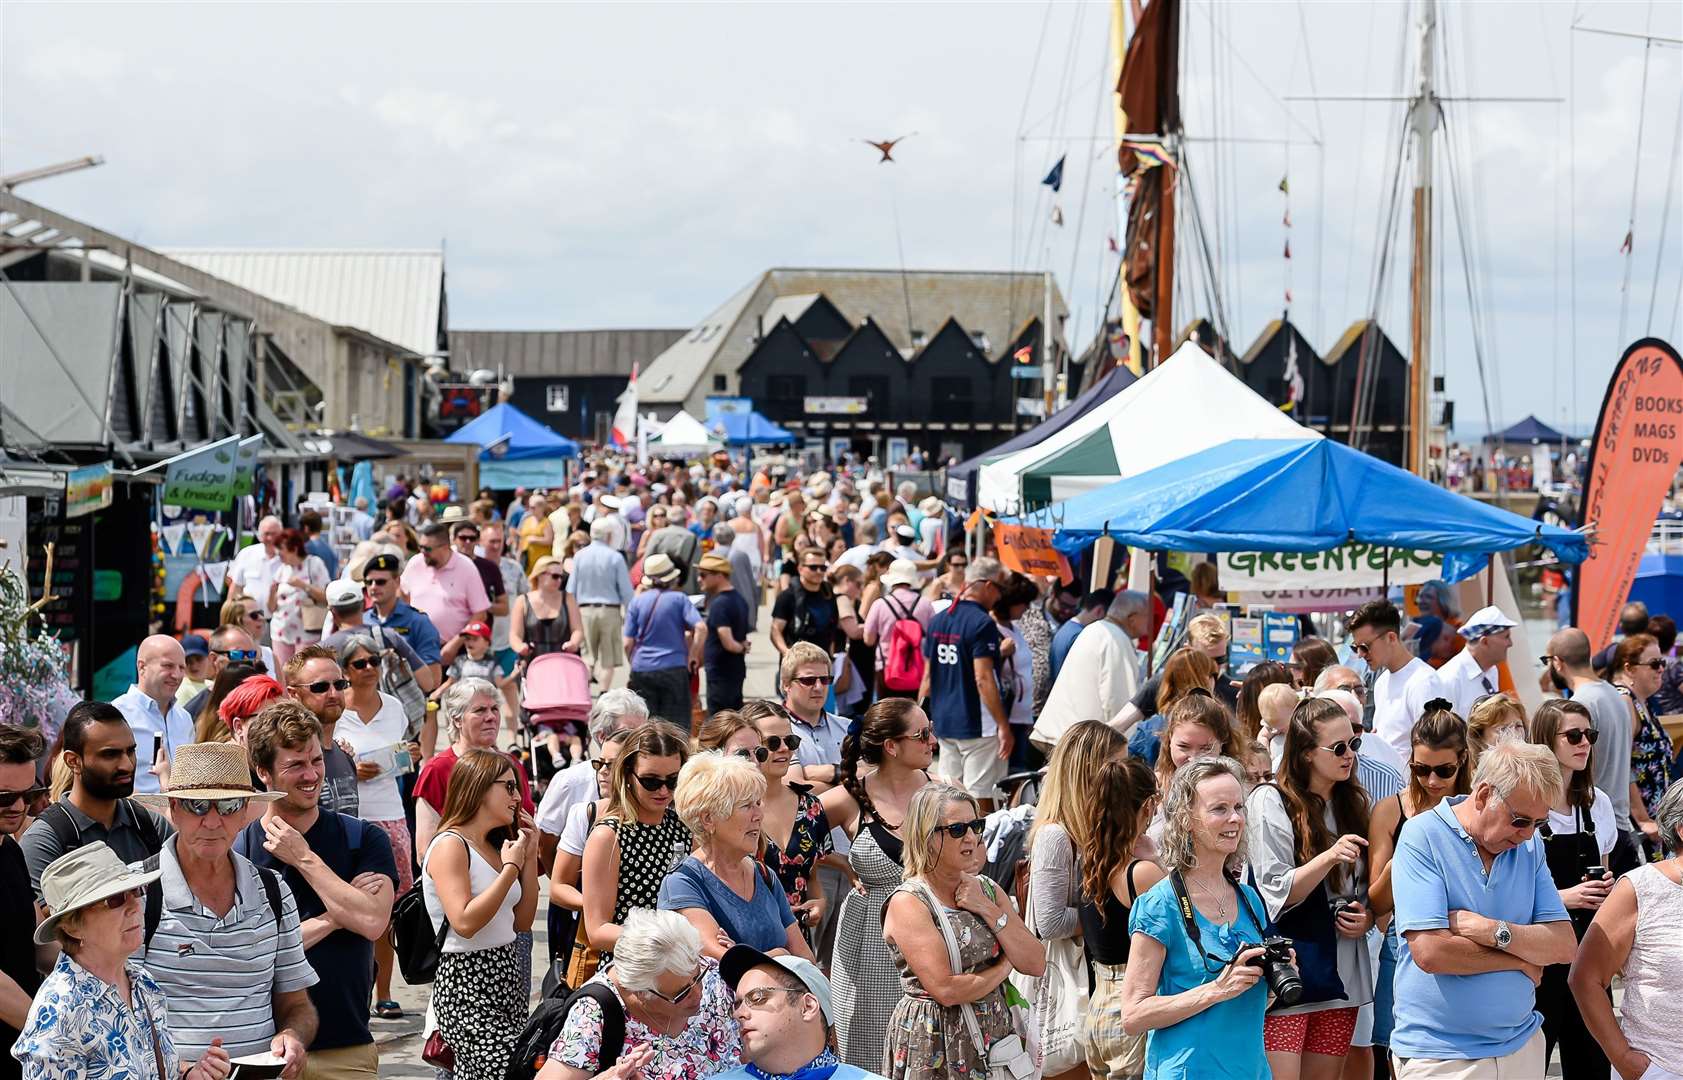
(252, 571)
(856, 555)
(1379, 750)
(576, 831)
(1464, 683)
(1399, 698)
(573, 785)
(1601, 821)
(377, 800)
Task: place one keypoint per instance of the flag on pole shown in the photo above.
(625, 417)
(1057, 215)
(1284, 186)
(1055, 178)
(1294, 378)
(1625, 248)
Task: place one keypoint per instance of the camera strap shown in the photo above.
(1189, 916)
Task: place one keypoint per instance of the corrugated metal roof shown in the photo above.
(558, 352)
(986, 302)
(394, 295)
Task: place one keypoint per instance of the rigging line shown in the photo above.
(1572, 204)
(1461, 230)
(1238, 56)
(1554, 299)
(1635, 178)
(1087, 177)
(1665, 219)
(1360, 188)
(1320, 168)
(1016, 179)
(1367, 367)
(1218, 309)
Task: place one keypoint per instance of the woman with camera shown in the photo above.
(1576, 842)
(1195, 960)
(1308, 835)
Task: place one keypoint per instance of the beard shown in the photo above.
(103, 787)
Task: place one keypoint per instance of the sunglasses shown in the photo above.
(1337, 749)
(1358, 689)
(756, 753)
(1545, 659)
(958, 828)
(8, 798)
(223, 807)
(774, 743)
(815, 566)
(923, 734)
(257, 616)
(470, 538)
(510, 786)
(1360, 649)
(1264, 777)
(655, 783)
(601, 763)
(1442, 772)
(1578, 735)
(1652, 665)
(689, 987)
(376, 582)
(810, 681)
(238, 656)
(361, 664)
(1519, 822)
(116, 901)
(322, 686)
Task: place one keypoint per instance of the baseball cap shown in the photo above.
(346, 593)
(1484, 622)
(386, 563)
(477, 629)
(195, 645)
(739, 960)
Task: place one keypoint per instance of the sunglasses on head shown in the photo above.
(774, 743)
(361, 663)
(958, 828)
(224, 807)
(655, 783)
(1442, 772)
(1338, 748)
(810, 681)
(117, 900)
(752, 753)
(322, 686)
(1578, 735)
(10, 798)
(238, 656)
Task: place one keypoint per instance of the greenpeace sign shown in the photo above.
(1350, 566)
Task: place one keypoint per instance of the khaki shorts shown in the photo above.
(972, 764)
(604, 635)
(344, 1063)
(1526, 1063)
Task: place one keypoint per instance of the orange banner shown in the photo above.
(1030, 551)
(1633, 458)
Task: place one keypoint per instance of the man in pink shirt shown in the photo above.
(900, 600)
(445, 585)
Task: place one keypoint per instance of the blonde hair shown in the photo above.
(1277, 696)
(1495, 711)
(801, 652)
(1178, 851)
(923, 817)
(1205, 630)
(1510, 766)
(712, 785)
(1068, 797)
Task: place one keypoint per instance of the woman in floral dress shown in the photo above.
(796, 829)
(1637, 670)
(298, 597)
(928, 1040)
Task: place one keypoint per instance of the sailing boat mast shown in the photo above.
(1424, 116)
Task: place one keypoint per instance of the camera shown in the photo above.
(1278, 971)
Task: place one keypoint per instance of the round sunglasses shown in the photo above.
(752, 753)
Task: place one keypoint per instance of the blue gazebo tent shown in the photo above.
(519, 451)
(746, 428)
(1529, 430)
(1294, 495)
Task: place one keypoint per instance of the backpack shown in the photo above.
(531, 1047)
(69, 834)
(417, 944)
(398, 680)
(903, 655)
(155, 898)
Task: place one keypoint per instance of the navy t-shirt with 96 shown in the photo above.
(344, 959)
(957, 637)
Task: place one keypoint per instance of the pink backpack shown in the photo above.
(903, 667)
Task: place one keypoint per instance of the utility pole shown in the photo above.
(1048, 347)
(1424, 115)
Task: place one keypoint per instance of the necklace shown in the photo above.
(1215, 898)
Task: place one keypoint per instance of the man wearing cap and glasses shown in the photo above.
(387, 608)
(19, 750)
(1471, 673)
(228, 645)
(783, 1010)
(226, 947)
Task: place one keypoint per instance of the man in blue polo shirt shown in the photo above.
(962, 695)
(1480, 918)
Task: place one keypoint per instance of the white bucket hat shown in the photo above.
(901, 572)
(83, 877)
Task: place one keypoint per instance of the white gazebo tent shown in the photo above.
(684, 436)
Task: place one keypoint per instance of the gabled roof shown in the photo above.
(1352, 338)
(394, 295)
(789, 307)
(1273, 330)
(993, 303)
(951, 328)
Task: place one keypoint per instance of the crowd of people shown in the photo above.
(962, 833)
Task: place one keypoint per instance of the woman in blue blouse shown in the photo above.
(98, 1014)
(1201, 1001)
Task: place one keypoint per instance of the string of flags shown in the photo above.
(1293, 376)
(1055, 181)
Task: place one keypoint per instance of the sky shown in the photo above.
(632, 165)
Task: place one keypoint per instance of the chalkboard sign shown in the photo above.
(72, 582)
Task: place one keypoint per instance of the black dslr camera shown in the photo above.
(1281, 974)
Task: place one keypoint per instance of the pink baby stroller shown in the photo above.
(554, 699)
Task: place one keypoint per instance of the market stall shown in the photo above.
(518, 451)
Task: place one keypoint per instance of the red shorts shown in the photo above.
(1325, 1032)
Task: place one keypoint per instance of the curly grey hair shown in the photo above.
(454, 704)
(1177, 850)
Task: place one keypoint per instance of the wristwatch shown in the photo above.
(1504, 936)
(999, 923)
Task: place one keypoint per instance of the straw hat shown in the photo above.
(901, 572)
(451, 515)
(213, 770)
(714, 563)
(82, 877)
(660, 569)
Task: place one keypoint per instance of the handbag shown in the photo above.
(1059, 1001)
(314, 614)
(1008, 1058)
(438, 1053)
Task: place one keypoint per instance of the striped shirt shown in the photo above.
(1381, 780)
(219, 974)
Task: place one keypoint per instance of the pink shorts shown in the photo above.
(398, 833)
(1325, 1032)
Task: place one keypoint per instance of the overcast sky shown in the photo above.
(633, 165)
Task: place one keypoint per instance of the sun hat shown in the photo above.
(1484, 622)
(739, 960)
(451, 515)
(932, 507)
(82, 877)
(612, 502)
(660, 568)
(901, 572)
(714, 563)
(213, 770)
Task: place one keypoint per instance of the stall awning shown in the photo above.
(510, 435)
(748, 429)
(1295, 495)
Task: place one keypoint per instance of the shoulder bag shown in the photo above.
(1008, 1058)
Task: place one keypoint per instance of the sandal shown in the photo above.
(388, 1010)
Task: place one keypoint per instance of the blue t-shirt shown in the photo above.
(344, 959)
(1437, 870)
(415, 628)
(1223, 1042)
(1062, 642)
(762, 922)
(658, 620)
(955, 639)
(726, 609)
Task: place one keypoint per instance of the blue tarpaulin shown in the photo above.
(747, 429)
(1294, 495)
(526, 438)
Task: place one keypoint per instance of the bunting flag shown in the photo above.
(1287, 221)
(1284, 186)
(1024, 355)
(625, 417)
(1111, 240)
(1288, 296)
(1146, 155)
(1288, 248)
(1294, 377)
(1055, 178)
(1057, 216)
(1625, 248)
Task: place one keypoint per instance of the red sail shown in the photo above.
(1635, 454)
